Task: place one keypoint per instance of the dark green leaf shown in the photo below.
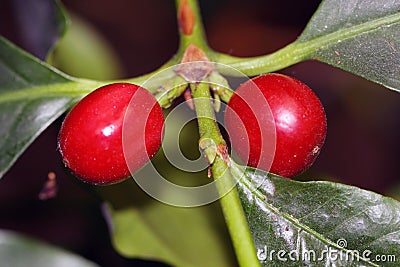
(307, 219)
(32, 96)
(362, 37)
(177, 236)
(17, 250)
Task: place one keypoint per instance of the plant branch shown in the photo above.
(197, 35)
(252, 66)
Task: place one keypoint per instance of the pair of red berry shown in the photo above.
(294, 127)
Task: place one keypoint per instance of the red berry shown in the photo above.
(295, 117)
(91, 136)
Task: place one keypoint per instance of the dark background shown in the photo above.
(362, 142)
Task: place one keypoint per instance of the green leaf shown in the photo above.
(20, 251)
(356, 227)
(362, 37)
(152, 230)
(32, 96)
(177, 236)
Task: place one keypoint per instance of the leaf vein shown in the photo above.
(320, 207)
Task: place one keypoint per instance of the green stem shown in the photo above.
(230, 202)
(285, 57)
(198, 37)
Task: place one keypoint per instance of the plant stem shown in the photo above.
(230, 202)
(197, 37)
(285, 57)
(208, 129)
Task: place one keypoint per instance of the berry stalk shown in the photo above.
(230, 202)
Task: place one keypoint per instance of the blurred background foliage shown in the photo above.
(126, 38)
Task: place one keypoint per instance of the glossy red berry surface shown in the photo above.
(91, 136)
(275, 106)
